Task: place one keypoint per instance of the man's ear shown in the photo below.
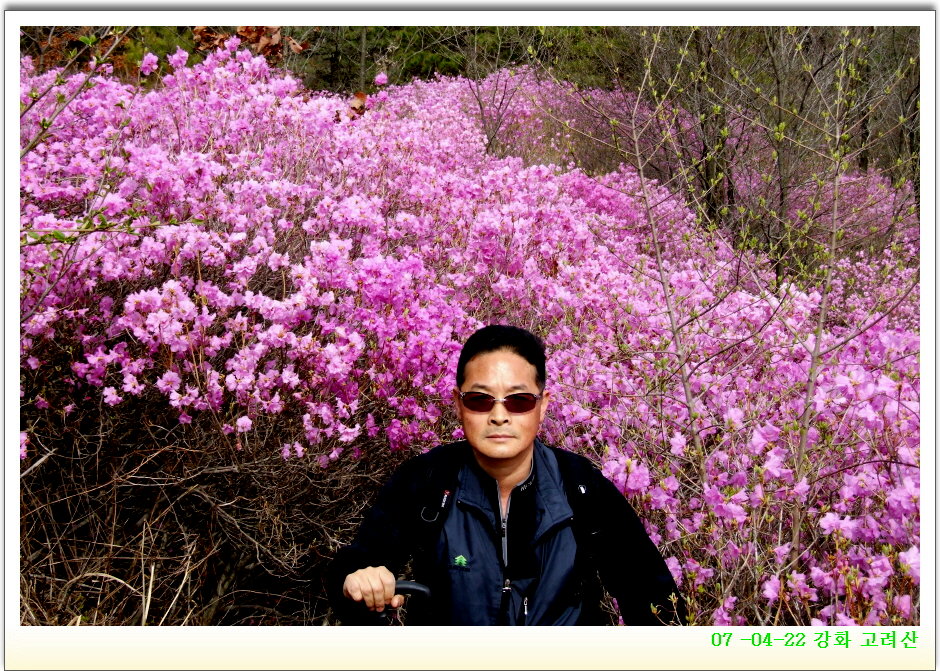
(543, 405)
(458, 406)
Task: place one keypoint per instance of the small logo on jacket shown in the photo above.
(460, 561)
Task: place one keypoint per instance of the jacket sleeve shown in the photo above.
(630, 566)
(384, 538)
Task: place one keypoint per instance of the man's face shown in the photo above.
(498, 434)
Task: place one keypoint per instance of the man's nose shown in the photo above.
(499, 414)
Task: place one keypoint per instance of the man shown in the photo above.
(502, 528)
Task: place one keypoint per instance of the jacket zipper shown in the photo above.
(506, 600)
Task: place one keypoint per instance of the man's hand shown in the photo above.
(375, 586)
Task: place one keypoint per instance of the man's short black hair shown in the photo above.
(497, 337)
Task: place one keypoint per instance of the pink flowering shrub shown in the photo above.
(876, 226)
(227, 252)
(880, 251)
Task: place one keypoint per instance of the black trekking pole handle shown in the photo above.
(412, 588)
(408, 588)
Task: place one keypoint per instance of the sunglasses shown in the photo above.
(517, 404)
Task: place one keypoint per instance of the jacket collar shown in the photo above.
(552, 506)
(479, 489)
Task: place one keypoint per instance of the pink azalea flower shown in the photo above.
(148, 64)
(734, 417)
(675, 568)
(113, 204)
(910, 563)
(798, 587)
(178, 59)
(771, 589)
(801, 488)
(830, 523)
(762, 436)
(781, 552)
(677, 444)
(902, 604)
(110, 396)
(843, 620)
(168, 382)
(638, 478)
(721, 617)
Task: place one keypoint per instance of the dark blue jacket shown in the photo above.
(540, 569)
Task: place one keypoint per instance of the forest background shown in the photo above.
(243, 289)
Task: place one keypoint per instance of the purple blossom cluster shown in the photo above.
(230, 246)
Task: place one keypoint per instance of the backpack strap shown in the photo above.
(435, 493)
(576, 476)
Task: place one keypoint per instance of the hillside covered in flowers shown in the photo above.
(242, 304)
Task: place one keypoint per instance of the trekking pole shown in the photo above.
(409, 589)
